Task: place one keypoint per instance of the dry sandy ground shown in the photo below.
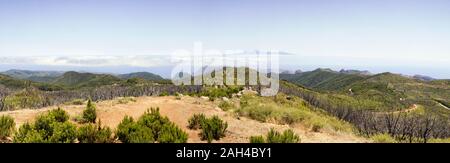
(239, 129)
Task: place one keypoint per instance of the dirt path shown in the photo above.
(179, 111)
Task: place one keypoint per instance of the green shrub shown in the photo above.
(141, 135)
(226, 105)
(27, 134)
(44, 125)
(125, 129)
(76, 102)
(94, 134)
(274, 137)
(383, 138)
(153, 120)
(164, 94)
(257, 139)
(90, 114)
(51, 127)
(151, 127)
(213, 128)
(195, 122)
(317, 126)
(288, 136)
(170, 133)
(214, 93)
(63, 133)
(7, 126)
(44, 122)
(59, 115)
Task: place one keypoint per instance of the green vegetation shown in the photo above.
(213, 129)
(7, 126)
(75, 80)
(273, 136)
(447, 140)
(381, 92)
(142, 75)
(284, 109)
(128, 131)
(323, 79)
(27, 98)
(27, 134)
(195, 122)
(94, 134)
(63, 132)
(214, 93)
(51, 127)
(257, 139)
(90, 113)
(150, 128)
(226, 105)
(54, 127)
(383, 138)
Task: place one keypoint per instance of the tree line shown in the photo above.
(34, 98)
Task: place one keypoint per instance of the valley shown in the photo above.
(320, 106)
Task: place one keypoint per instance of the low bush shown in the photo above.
(214, 93)
(7, 126)
(213, 129)
(94, 134)
(383, 138)
(195, 121)
(257, 139)
(64, 132)
(52, 127)
(164, 94)
(317, 126)
(170, 133)
(273, 136)
(27, 134)
(128, 131)
(151, 127)
(59, 115)
(226, 105)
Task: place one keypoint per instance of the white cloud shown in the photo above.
(89, 61)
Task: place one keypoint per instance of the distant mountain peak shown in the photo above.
(142, 75)
(324, 69)
(423, 78)
(358, 72)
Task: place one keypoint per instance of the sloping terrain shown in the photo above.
(76, 79)
(239, 128)
(142, 75)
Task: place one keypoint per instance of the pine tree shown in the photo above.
(90, 114)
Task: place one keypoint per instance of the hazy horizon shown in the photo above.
(402, 36)
(165, 71)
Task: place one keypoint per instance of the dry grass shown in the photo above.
(239, 129)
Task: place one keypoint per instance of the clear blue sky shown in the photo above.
(405, 36)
